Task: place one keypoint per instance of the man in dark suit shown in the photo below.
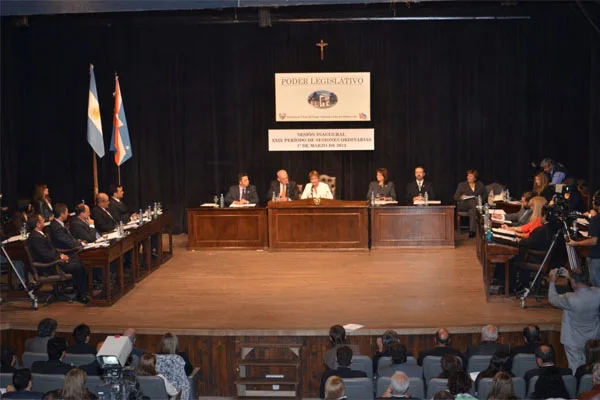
(43, 251)
(442, 341)
(544, 358)
(57, 348)
(103, 219)
(488, 345)
(531, 334)
(550, 383)
(116, 207)
(344, 358)
(45, 331)
(61, 237)
(8, 360)
(22, 383)
(82, 226)
(283, 189)
(399, 357)
(82, 335)
(243, 192)
(416, 189)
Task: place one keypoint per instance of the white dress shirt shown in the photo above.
(323, 191)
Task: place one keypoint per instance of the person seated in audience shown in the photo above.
(74, 387)
(42, 203)
(502, 387)
(57, 348)
(592, 356)
(344, 359)
(243, 192)
(489, 343)
(103, 219)
(82, 226)
(283, 189)
(556, 174)
(442, 341)
(544, 358)
(130, 333)
(8, 360)
(594, 392)
(172, 367)
(383, 346)
(147, 367)
(21, 388)
(535, 221)
(459, 385)
(522, 216)
(43, 251)
(451, 364)
(500, 362)
(45, 331)
(82, 335)
(443, 395)
(116, 207)
(315, 189)
(169, 345)
(541, 187)
(398, 389)
(382, 188)
(335, 389)
(550, 385)
(337, 339)
(399, 356)
(531, 336)
(60, 236)
(415, 190)
(466, 197)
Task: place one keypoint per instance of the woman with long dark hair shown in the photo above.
(42, 201)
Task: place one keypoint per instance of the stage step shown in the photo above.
(271, 363)
(272, 345)
(266, 381)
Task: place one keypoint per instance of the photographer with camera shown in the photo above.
(593, 240)
(581, 316)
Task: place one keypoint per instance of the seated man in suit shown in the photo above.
(43, 251)
(415, 190)
(103, 219)
(57, 348)
(116, 207)
(8, 360)
(45, 331)
(82, 226)
(243, 192)
(522, 216)
(398, 389)
(344, 359)
(61, 237)
(22, 384)
(283, 189)
(594, 392)
(442, 341)
(488, 345)
(544, 358)
(399, 356)
(531, 335)
(82, 335)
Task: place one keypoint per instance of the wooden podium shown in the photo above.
(318, 224)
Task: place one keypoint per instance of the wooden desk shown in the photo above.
(409, 226)
(332, 224)
(227, 228)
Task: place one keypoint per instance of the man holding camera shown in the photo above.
(581, 318)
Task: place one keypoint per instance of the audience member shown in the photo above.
(459, 385)
(130, 333)
(399, 356)
(22, 383)
(500, 362)
(344, 359)
(544, 358)
(383, 346)
(550, 385)
(451, 364)
(335, 389)
(488, 345)
(81, 335)
(592, 357)
(581, 316)
(172, 367)
(442, 341)
(337, 338)
(531, 335)
(398, 389)
(594, 392)
(57, 348)
(169, 345)
(443, 395)
(8, 360)
(74, 388)
(147, 367)
(45, 331)
(502, 387)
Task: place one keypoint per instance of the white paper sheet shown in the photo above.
(242, 205)
(384, 202)
(497, 211)
(352, 327)
(583, 221)
(504, 237)
(468, 197)
(96, 245)
(503, 231)
(213, 205)
(15, 238)
(422, 202)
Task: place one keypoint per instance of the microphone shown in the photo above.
(312, 195)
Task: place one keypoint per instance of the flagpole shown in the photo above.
(95, 173)
(119, 174)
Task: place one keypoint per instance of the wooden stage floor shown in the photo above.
(301, 293)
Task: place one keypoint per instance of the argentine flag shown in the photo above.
(119, 143)
(94, 125)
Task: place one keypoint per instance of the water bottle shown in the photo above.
(488, 236)
(155, 210)
(507, 196)
(575, 229)
(479, 201)
(141, 217)
(491, 198)
(221, 201)
(121, 230)
(159, 207)
(372, 198)
(82, 201)
(426, 198)
(24, 230)
(273, 196)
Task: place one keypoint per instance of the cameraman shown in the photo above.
(593, 260)
(581, 319)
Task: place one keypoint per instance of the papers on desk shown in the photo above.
(385, 202)
(501, 221)
(352, 327)
(468, 197)
(96, 245)
(585, 233)
(213, 205)
(514, 202)
(242, 205)
(503, 231)
(497, 211)
(430, 202)
(499, 197)
(111, 236)
(15, 238)
(583, 221)
(504, 237)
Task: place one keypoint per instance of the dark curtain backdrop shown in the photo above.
(199, 99)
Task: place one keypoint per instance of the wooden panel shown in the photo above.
(227, 228)
(412, 226)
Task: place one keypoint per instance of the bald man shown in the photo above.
(284, 189)
(103, 219)
(442, 341)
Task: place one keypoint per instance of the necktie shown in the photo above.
(243, 193)
(283, 193)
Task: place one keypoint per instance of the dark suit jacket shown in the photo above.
(41, 207)
(61, 237)
(292, 190)
(464, 188)
(547, 193)
(519, 218)
(81, 348)
(104, 222)
(41, 248)
(234, 194)
(539, 239)
(485, 349)
(7, 369)
(550, 383)
(387, 190)
(23, 395)
(412, 190)
(439, 351)
(118, 210)
(37, 344)
(82, 231)
(342, 372)
(50, 367)
(550, 369)
(528, 348)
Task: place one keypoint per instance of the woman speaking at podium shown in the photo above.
(315, 189)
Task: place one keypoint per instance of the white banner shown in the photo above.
(321, 139)
(338, 96)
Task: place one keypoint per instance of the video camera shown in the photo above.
(119, 379)
(562, 213)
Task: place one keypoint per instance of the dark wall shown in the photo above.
(492, 95)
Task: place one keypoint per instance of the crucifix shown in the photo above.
(322, 45)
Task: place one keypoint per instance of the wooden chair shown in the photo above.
(459, 215)
(331, 181)
(498, 254)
